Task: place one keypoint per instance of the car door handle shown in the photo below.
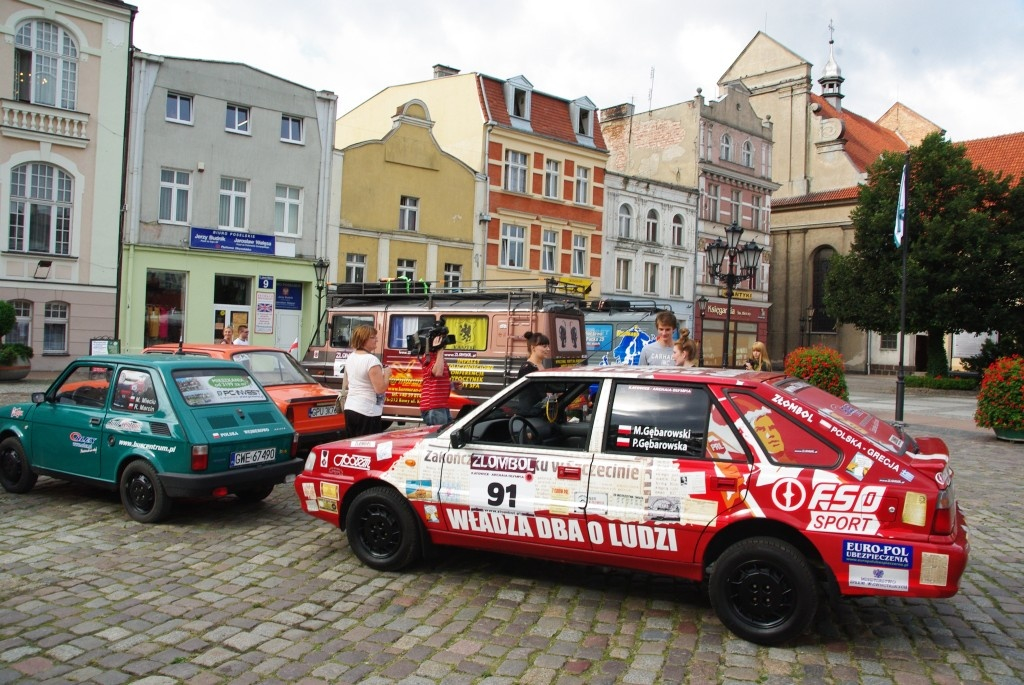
(94, 421)
(570, 472)
(719, 483)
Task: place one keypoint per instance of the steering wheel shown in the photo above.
(523, 432)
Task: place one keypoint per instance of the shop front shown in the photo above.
(747, 324)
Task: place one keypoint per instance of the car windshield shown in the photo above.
(273, 367)
(200, 387)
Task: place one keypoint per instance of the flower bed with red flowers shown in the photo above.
(1001, 399)
(820, 366)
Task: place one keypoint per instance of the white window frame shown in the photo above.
(736, 211)
(52, 72)
(176, 117)
(41, 198)
(236, 120)
(409, 213)
(651, 224)
(292, 130)
(512, 251)
(678, 230)
(582, 194)
(55, 328)
(452, 277)
(549, 250)
(22, 331)
(579, 255)
(355, 267)
(766, 160)
(625, 221)
(623, 274)
(405, 268)
(725, 148)
(676, 282)
(234, 201)
(552, 178)
(714, 197)
(175, 196)
(287, 210)
(755, 212)
(748, 154)
(650, 278)
(516, 167)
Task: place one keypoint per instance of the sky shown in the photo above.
(959, 64)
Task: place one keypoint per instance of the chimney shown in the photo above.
(616, 112)
(440, 71)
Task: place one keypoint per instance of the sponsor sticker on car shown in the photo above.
(253, 457)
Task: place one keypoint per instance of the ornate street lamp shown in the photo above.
(743, 257)
(702, 307)
(320, 267)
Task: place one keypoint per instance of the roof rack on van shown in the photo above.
(401, 288)
(620, 305)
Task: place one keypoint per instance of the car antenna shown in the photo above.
(181, 343)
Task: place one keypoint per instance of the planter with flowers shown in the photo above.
(820, 366)
(1001, 399)
(14, 357)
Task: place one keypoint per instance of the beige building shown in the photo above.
(64, 101)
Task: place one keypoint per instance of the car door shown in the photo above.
(668, 466)
(68, 427)
(522, 474)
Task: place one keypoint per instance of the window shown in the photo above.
(748, 154)
(783, 440)
(888, 341)
(165, 301)
(552, 178)
(623, 272)
(582, 185)
(585, 122)
(714, 202)
(408, 213)
(515, 171)
(652, 226)
(134, 392)
(85, 386)
(650, 277)
(45, 65)
(766, 160)
(755, 213)
(175, 188)
(677, 230)
(41, 210)
(548, 250)
(821, 322)
(682, 417)
(675, 281)
(234, 200)
(513, 246)
(291, 129)
(355, 268)
(237, 119)
(287, 209)
(55, 328)
(737, 207)
(518, 93)
(179, 108)
(22, 331)
(625, 221)
(452, 277)
(406, 268)
(579, 255)
(725, 150)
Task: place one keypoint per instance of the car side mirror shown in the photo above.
(38, 397)
(458, 438)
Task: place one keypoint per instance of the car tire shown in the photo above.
(15, 474)
(383, 530)
(142, 494)
(763, 589)
(257, 494)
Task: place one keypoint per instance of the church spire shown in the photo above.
(831, 77)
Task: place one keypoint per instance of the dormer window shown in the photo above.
(582, 112)
(518, 96)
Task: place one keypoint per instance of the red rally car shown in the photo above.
(760, 485)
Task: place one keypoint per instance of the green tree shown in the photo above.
(960, 232)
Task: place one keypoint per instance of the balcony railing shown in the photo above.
(38, 122)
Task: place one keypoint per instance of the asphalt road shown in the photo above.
(226, 592)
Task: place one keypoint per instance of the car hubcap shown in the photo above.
(761, 594)
(140, 493)
(380, 531)
(10, 465)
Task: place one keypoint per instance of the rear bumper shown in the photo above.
(202, 484)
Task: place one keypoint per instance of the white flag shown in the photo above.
(901, 209)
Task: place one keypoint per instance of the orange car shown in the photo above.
(311, 408)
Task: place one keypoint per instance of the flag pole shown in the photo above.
(901, 242)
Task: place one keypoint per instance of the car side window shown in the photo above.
(543, 413)
(782, 438)
(662, 420)
(134, 392)
(86, 386)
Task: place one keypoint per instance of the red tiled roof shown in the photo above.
(865, 140)
(549, 116)
(824, 196)
(1001, 154)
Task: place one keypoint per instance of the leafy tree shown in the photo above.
(962, 239)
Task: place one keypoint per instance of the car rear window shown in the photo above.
(203, 387)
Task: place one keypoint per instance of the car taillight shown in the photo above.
(945, 512)
(200, 457)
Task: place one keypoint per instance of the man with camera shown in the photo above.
(435, 393)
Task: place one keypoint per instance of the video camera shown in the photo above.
(435, 338)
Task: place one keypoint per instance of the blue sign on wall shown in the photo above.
(289, 295)
(231, 241)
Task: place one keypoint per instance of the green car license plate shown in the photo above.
(253, 457)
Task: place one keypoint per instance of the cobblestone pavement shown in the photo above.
(228, 592)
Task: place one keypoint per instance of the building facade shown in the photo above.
(62, 156)
(227, 204)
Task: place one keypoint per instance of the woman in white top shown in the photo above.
(366, 379)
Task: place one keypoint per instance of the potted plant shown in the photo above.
(1001, 399)
(820, 366)
(14, 364)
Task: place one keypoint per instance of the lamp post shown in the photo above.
(320, 267)
(808, 319)
(745, 257)
(702, 307)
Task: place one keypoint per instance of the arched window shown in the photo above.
(677, 230)
(41, 209)
(21, 333)
(45, 65)
(652, 226)
(748, 154)
(625, 221)
(821, 261)
(725, 151)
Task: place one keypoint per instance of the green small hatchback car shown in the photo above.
(153, 427)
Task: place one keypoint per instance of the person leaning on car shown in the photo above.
(367, 380)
